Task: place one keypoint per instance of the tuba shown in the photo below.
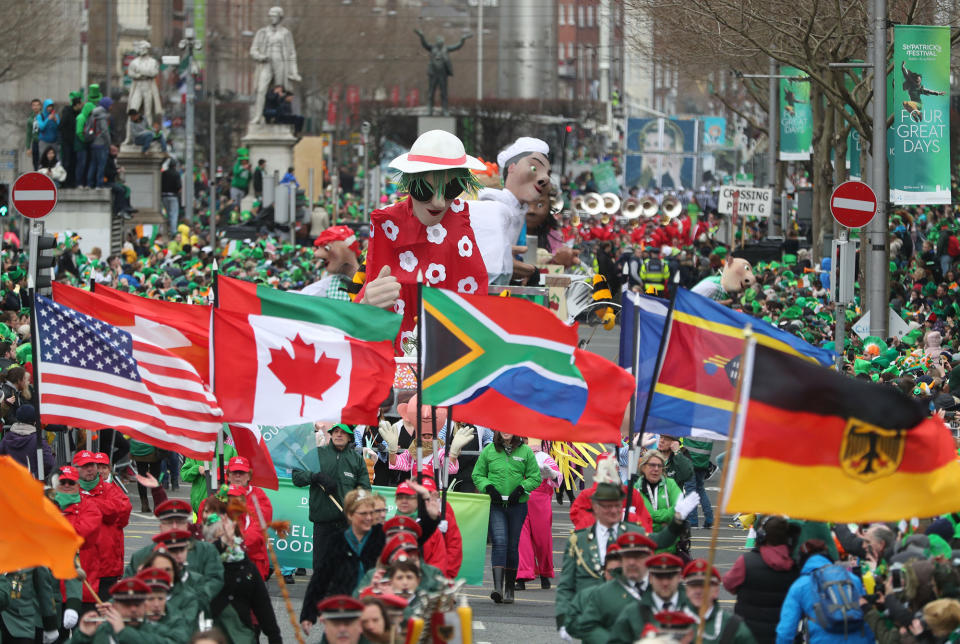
(649, 207)
(611, 203)
(592, 203)
(631, 208)
(556, 205)
(671, 208)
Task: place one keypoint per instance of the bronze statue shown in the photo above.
(439, 67)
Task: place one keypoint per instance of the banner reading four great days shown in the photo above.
(296, 551)
(918, 97)
(796, 116)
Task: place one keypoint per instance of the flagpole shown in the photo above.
(213, 373)
(35, 340)
(433, 443)
(661, 349)
(746, 362)
(444, 469)
(419, 374)
(631, 449)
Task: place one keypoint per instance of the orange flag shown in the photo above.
(35, 533)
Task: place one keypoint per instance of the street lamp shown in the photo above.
(189, 44)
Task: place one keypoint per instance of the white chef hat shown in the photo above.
(523, 145)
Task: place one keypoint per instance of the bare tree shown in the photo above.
(33, 35)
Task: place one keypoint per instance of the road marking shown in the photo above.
(478, 626)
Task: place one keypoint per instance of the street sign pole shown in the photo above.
(875, 249)
(840, 308)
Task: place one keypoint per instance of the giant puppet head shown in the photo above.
(408, 412)
(737, 275)
(525, 168)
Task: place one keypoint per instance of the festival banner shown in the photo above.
(853, 137)
(292, 504)
(918, 97)
(796, 116)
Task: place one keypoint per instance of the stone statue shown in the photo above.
(439, 67)
(144, 95)
(276, 58)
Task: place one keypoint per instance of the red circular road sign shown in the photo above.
(34, 195)
(853, 204)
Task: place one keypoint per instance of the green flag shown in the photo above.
(796, 116)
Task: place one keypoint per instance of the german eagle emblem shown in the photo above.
(869, 452)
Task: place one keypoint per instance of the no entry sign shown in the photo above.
(34, 195)
(853, 204)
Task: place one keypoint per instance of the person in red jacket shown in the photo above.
(84, 515)
(114, 509)
(434, 549)
(253, 541)
(581, 513)
(452, 539)
(239, 472)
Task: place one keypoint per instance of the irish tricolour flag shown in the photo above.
(512, 365)
(285, 358)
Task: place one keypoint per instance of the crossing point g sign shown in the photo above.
(748, 202)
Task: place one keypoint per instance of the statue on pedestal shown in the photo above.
(144, 95)
(276, 58)
(439, 67)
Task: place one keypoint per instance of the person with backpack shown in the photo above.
(99, 123)
(826, 600)
(82, 143)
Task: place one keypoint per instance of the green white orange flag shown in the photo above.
(284, 358)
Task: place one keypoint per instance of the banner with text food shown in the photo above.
(919, 99)
(292, 504)
(796, 115)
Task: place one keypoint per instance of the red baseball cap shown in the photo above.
(101, 458)
(428, 484)
(404, 488)
(238, 464)
(69, 473)
(83, 457)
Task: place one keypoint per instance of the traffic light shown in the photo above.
(4, 193)
(41, 256)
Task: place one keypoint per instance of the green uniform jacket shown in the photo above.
(350, 470)
(5, 586)
(699, 452)
(581, 562)
(203, 565)
(190, 473)
(679, 467)
(145, 633)
(600, 610)
(32, 602)
(668, 492)
(634, 618)
(181, 618)
(723, 626)
(505, 472)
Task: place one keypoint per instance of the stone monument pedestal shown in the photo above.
(143, 179)
(87, 213)
(273, 142)
(445, 123)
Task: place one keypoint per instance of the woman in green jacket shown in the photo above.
(660, 493)
(507, 470)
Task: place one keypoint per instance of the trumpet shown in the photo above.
(592, 203)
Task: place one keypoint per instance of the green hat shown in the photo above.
(720, 251)
(243, 153)
(608, 492)
(24, 353)
(342, 426)
(792, 313)
(76, 95)
(790, 259)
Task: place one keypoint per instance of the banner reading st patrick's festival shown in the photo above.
(796, 116)
(918, 96)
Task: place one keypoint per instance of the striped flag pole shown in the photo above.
(213, 374)
(419, 375)
(744, 373)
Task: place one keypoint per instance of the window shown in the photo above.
(590, 16)
(580, 22)
(563, 16)
(570, 53)
(571, 20)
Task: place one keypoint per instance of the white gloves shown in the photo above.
(547, 473)
(70, 618)
(461, 436)
(49, 637)
(443, 526)
(686, 504)
(390, 435)
(564, 635)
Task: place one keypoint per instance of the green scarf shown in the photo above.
(89, 485)
(66, 500)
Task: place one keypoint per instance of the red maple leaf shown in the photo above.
(302, 374)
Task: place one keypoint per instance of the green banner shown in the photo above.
(605, 177)
(296, 551)
(853, 138)
(796, 116)
(918, 96)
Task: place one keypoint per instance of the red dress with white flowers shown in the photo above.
(446, 252)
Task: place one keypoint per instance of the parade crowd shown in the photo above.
(627, 573)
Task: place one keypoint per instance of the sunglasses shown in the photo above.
(421, 190)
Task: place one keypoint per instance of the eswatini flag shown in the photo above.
(283, 358)
(815, 444)
(511, 365)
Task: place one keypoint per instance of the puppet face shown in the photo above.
(338, 258)
(528, 177)
(408, 412)
(737, 275)
(432, 211)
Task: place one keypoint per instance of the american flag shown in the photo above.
(94, 375)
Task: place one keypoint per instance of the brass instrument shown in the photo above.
(611, 203)
(556, 205)
(592, 203)
(672, 208)
(649, 207)
(632, 208)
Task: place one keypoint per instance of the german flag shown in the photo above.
(815, 444)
